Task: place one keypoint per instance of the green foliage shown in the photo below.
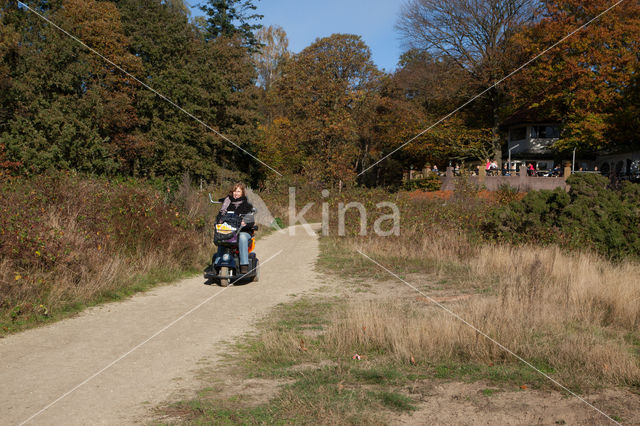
(590, 216)
(64, 108)
(227, 18)
(212, 79)
(431, 183)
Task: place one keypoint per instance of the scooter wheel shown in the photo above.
(256, 278)
(224, 271)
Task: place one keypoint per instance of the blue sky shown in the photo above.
(306, 20)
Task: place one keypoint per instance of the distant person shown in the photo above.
(530, 169)
(505, 170)
(435, 169)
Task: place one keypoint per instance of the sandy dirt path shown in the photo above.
(39, 366)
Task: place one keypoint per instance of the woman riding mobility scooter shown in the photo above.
(235, 226)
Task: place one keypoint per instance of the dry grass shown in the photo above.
(574, 313)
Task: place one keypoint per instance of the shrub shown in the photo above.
(431, 183)
(465, 189)
(506, 194)
(590, 216)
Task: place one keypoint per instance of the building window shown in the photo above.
(518, 133)
(545, 132)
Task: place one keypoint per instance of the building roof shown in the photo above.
(530, 114)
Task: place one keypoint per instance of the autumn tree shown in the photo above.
(385, 121)
(472, 34)
(626, 121)
(587, 81)
(423, 89)
(317, 99)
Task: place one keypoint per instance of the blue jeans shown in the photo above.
(243, 248)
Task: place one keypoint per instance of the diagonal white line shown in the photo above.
(489, 88)
(149, 88)
(504, 348)
(114, 362)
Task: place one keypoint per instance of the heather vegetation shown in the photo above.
(69, 241)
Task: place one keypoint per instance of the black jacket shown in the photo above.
(237, 205)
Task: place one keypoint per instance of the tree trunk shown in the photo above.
(495, 129)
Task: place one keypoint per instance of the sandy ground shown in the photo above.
(454, 403)
(40, 367)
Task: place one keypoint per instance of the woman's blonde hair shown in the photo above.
(236, 186)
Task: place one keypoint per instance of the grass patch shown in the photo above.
(380, 375)
(303, 314)
(338, 256)
(396, 401)
(516, 375)
(489, 391)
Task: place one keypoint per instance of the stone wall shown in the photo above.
(522, 183)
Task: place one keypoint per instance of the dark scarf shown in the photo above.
(237, 205)
(235, 202)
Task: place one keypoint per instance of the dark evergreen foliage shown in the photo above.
(591, 215)
(228, 18)
(63, 107)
